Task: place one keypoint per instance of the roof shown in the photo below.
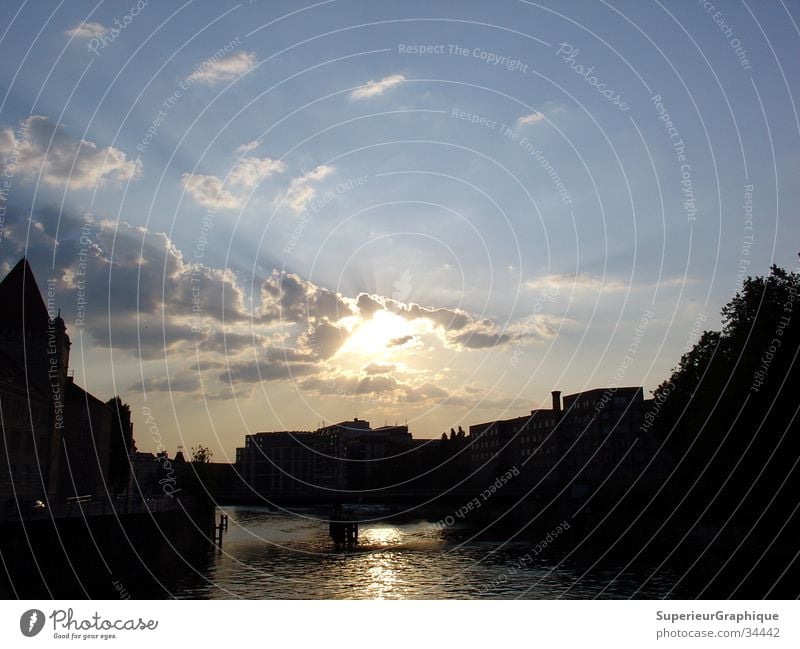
(21, 301)
(76, 393)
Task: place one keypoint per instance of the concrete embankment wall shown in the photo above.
(99, 557)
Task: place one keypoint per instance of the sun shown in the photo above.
(381, 336)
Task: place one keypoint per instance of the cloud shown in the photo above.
(86, 30)
(301, 191)
(480, 339)
(379, 368)
(385, 385)
(289, 298)
(351, 385)
(425, 392)
(209, 191)
(138, 291)
(213, 71)
(533, 118)
(324, 339)
(248, 172)
(146, 300)
(186, 381)
(377, 88)
(42, 147)
(448, 319)
(275, 364)
(556, 283)
(247, 147)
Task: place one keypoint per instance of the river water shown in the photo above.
(278, 555)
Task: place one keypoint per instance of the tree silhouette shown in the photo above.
(729, 417)
(201, 454)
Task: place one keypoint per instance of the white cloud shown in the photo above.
(248, 172)
(208, 191)
(213, 71)
(247, 147)
(42, 147)
(533, 118)
(301, 191)
(86, 30)
(376, 88)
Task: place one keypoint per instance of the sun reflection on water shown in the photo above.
(380, 536)
(382, 575)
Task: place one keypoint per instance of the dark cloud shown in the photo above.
(397, 342)
(351, 385)
(288, 297)
(479, 339)
(252, 372)
(324, 340)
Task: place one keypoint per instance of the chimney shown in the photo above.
(556, 401)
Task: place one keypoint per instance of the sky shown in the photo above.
(268, 215)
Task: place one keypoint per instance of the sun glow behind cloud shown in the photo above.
(384, 336)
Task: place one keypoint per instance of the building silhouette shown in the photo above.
(349, 455)
(589, 444)
(59, 438)
(279, 463)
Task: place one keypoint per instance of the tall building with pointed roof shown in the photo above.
(56, 437)
(35, 347)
